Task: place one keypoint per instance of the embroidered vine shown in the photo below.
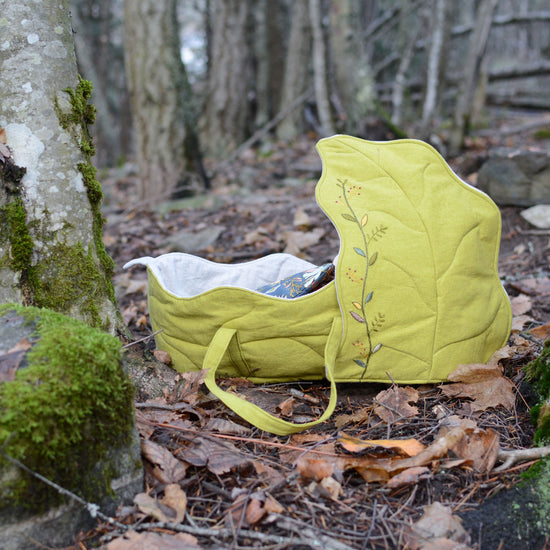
(366, 347)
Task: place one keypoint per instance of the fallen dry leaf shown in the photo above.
(296, 241)
(272, 506)
(168, 469)
(484, 384)
(246, 510)
(542, 332)
(533, 286)
(150, 507)
(227, 427)
(438, 522)
(310, 467)
(408, 477)
(175, 498)
(520, 304)
(478, 446)
(10, 360)
(162, 356)
(153, 541)
(286, 407)
(393, 404)
(301, 219)
(218, 456)
(327, 488)
(518, 323)
(408, 447)
(360, 416)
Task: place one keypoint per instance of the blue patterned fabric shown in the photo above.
(300, 283)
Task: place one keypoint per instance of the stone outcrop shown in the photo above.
(66, 412)
(516, 177)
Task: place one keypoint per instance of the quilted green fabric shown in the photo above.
(417, 278)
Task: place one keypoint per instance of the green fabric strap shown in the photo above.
(252, 413)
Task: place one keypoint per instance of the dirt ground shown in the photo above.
(261, 204)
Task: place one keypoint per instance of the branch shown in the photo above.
(509, 458)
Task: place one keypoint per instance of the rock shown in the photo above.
(516, 177)
(193, 241)
(539, 216)
(66, 412)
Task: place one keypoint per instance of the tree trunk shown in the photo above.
(353, 81)
(472, 65)
(435, 58)
(320, 70)
(51, 249)
(227, 106)
(296, 79)
(160, 104)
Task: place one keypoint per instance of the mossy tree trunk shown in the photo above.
(51, 249)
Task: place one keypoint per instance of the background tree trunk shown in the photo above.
(158, 88)
(296, 79)
(51, 249)
(353, 83)
(226, 112)
(320, 70)
(472, 66)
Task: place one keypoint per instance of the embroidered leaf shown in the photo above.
(369, 297)
(348, 217)
(373, 258)
(359, 251)
(357, 305)
(376, 348)
(357, 317)
(362, 364)
(364, 220)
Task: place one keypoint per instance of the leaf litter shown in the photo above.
(393, 467)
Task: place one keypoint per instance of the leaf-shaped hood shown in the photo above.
(417, 276)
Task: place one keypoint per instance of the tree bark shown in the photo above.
(320, 70)
(353, 81)
(435, 59)
(472, 65)
(51, 249)
(226, 114)
(296, 73)
(159, 91)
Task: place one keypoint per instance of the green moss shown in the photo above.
(543, 133)
(63, 411)
(21, 240)
(538, 373)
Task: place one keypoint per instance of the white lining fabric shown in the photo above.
(185, 275)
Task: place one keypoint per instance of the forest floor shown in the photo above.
(213, 481)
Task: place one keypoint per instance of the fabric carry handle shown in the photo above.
(252, 413)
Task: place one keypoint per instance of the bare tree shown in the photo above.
(472, 65)
(51, 249)
(226, 112)
(297, 70)
(320, 69)
(162, 109)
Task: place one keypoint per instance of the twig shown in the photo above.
(509, 458)
(142, 339)
(93, 509)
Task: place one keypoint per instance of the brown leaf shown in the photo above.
(296, 241)
(409, 447)
(477, 446)
(438, 522)
(168, 468)
(542, 332)
(175, 498)
(162, 356)
(310, 467)
(520, 304)
(150, 507)
(3, 139)
(285, 407)
(10, 360)
(218, 456)
(302, 219)
(153, 541)
(361, 415)
(533, 286)
(485, 384)
(255, 511)
(272, 506)
(518, 323)
(229, 427)
(393, 404)
(408, 477)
